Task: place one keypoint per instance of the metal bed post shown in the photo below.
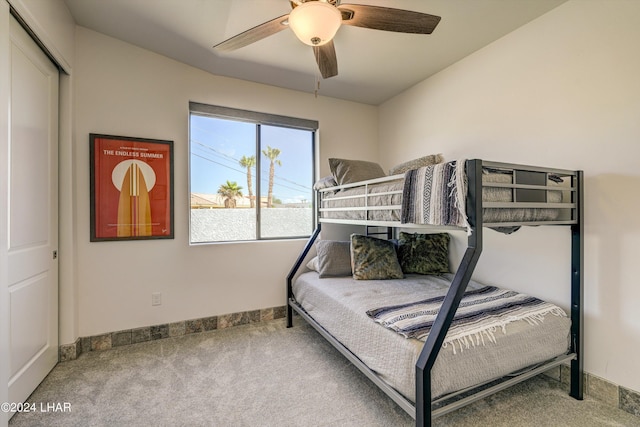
(388, 232)
(577, 286)
(450, 304)
(295, 268)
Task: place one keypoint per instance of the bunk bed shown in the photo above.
(467, 194)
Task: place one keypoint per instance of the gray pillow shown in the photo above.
(374, 259)
(334, 258)
(432, 159)
(424, 253)
(348, 171)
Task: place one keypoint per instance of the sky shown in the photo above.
(217, 145)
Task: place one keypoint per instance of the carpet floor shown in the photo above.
(264, 374)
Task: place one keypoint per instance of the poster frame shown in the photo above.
(104, 151)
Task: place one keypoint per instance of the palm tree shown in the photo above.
(230, 191)
(272, 154)
(248, 163)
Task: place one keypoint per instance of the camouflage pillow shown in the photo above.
(424, 253)
(374, 259)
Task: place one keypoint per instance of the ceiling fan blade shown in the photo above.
(254, 34)
(388, 19)
(326, 59)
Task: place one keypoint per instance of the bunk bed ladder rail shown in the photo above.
(450, 304)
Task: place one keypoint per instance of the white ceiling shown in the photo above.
(373, 65)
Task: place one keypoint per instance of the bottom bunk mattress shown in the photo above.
(340, 306)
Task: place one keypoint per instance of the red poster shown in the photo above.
(131, 188)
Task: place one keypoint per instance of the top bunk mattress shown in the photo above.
(382, 201)
(340, 306)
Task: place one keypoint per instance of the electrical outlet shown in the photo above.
(156, 298)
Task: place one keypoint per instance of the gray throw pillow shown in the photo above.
(374, 259)
(424, 253)
(348, 171)
(334, 258)
(432, 159)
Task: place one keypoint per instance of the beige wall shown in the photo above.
(561, 91)
(124, 90)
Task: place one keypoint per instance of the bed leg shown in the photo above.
(577, 294)
(289, 315)
(423, 398)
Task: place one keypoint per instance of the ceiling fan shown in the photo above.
(315, 23)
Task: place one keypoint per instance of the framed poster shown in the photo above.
(131, 188)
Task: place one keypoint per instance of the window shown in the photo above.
(251, 175)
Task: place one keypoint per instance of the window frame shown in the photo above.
(258, 118)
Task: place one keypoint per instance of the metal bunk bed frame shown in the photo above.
(425, 409)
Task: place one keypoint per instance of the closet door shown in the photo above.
(33, 215)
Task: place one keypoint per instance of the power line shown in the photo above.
(237, 161)
(243, 172)
(215, 150)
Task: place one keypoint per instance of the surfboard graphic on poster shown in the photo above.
(134, 179)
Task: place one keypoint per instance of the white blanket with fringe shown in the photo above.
(481, 313)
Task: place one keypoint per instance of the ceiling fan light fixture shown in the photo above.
(315, 22)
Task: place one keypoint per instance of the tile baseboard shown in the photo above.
(110, 340)
(600, 389)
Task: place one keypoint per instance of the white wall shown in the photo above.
(562, 91)
(124, 90)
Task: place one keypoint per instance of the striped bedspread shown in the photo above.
(435, 195)
(480, 314)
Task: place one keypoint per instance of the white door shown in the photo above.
(33, 215)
